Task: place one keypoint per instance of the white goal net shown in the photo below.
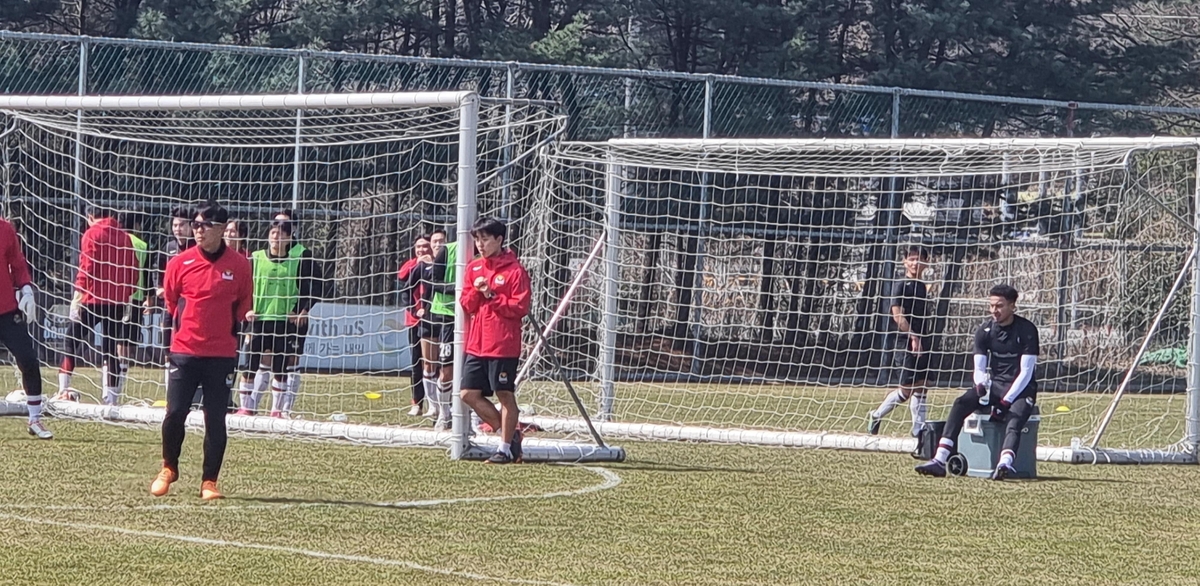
(364, 174)
(744, 295)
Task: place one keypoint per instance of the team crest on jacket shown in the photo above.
(227, 275)
(499, 280)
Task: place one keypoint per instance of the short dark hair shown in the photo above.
(1006, 291)
(130, 219)
(183, 212)
(284, 225)
(212, 212)
(918, 251)
(98, 211)
(291, 215)
(490, 226)
(419, 238)
(438, 231)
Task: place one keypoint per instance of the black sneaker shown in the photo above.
(1003, 471)
(932, 468)
(499, 457)
(515, 446)
(873, 425)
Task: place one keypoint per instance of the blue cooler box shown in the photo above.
(981, 441)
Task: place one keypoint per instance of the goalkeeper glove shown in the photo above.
(1000, 412)
(982, 391)
(27, 304)
(76, 305)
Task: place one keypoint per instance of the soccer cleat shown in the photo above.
(209, 492)
(162, 483)
(430, 411)
(38, 429)
(244, 412)
(873, 424)
(932, 468)
(276, 415)
(516, 446)
(1003, 471)
(500, 458)
(415, 411)
(441, 425)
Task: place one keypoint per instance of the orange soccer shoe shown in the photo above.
(209, 492)
(162, 483)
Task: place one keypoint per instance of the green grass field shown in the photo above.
(76, 511)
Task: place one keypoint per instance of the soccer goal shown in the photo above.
(365, 175)
(743, 294)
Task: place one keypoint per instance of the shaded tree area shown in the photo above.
(1094, 50)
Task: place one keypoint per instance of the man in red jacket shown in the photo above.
(208, 289)
(15, 313)
(107, 278)
(495, 299)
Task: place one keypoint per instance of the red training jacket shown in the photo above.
(410, 318)
(208, 298)
(494, 330)
(16, 272)
(108, 267)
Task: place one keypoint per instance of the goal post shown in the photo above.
(369, 172)
(744, 294)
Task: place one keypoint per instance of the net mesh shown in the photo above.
(364, 184)
(748, 284)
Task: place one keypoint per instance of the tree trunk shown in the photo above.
(450, 30)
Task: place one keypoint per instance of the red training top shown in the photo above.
(16, 274)
(108, 267)
(208, 297)
(494, 330)
(410, 318)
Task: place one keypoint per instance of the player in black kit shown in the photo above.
(1007, 346)
(910, 310)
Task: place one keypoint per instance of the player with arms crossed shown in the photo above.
(1006, 345)
(496, 299)
(15, 313)
(411, 299)
(208, 290)
(910, 311)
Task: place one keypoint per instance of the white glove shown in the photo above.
(27, 304)
(76, 303)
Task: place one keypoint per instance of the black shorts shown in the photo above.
(298, 339)
(275, 337)
(129, 330)
(913, 367)
(489, 374)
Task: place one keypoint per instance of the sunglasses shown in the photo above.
(206, 225)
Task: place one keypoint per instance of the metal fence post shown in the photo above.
(896, 112)
(708, 102)
(297, 154)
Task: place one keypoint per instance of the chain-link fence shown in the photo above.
(601, 103)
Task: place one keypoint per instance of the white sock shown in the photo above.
(277, 391)
(889, 402)
(262, 380)
(34, 403)
(293, 383)
(111, 397)
(248, 401)
(1006, 458)
(943, 451)
(64, 381)
(430, 384)
(443, 397)
(506, 448)
(289, 399)
(919, 408)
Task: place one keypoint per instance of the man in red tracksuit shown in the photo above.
(107, 277)
(411, 294)
(496, 299)
(208, 289)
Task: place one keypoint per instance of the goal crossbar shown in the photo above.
(239, 102)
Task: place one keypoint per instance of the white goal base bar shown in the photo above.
(843, 441)
(481, 447)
